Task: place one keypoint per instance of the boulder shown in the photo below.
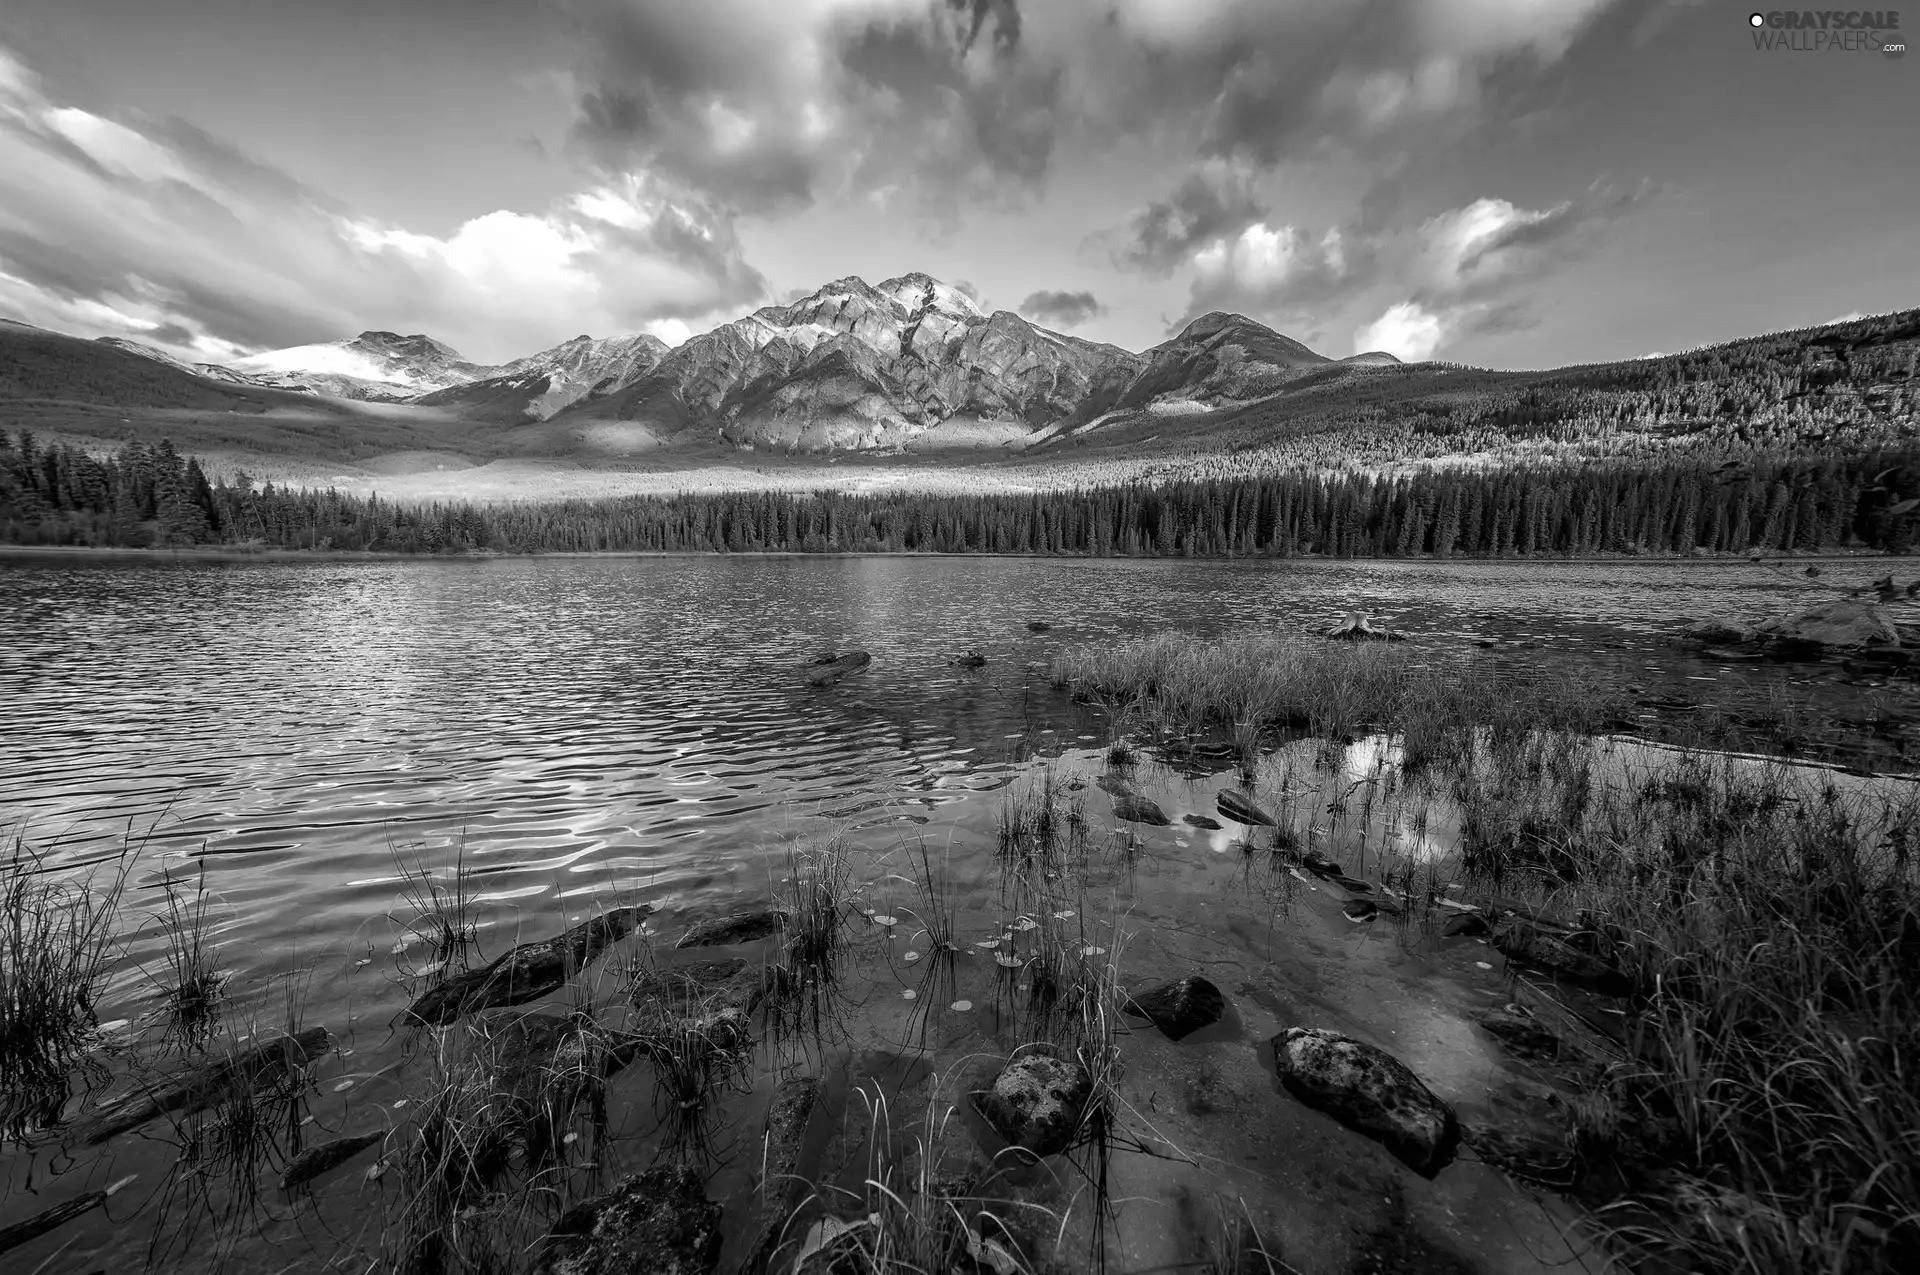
(1718, 633)
(1110, 783)
(659, 1222)
(1137, 809)
(1202, 822)
(208, 1082)
(1180, 1008)
(825, 672)
(1036, 1102)
(527, 972)
(1241, 810)
(1371, 1092)
(1844, 625)
(735, 927)
(1563, 952)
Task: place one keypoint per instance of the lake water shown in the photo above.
(584, 731)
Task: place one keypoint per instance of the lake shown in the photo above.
(585, 731)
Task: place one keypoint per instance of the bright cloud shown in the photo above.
(1407, 331)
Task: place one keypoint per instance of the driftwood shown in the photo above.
(208, 1083)
(826, 671)
(526, 973)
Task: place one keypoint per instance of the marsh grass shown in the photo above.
(191, 982)
(1234, 1245)
(440, 913)
(57, 942)
(803, 1000)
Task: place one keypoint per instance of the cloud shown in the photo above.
(1281, 273)
(1214, 200)
(1486, 247)
(1062, 309)
(938, 103)
(762, 106)
(157, 231)
(1408, 331)
(1849, 317)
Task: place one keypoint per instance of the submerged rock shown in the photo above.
(1201, 821)
(1241, 810)
(826, 672)
(1719, 633)
(528, 972)
(1038, 626)
(1113, 784)
(781, 1187)
(735, 927)
(1036, 1102)
(970, 659)
(1465, 925)
(659, 1222)
(1564, 953)
(704, 986)
(1180, 1008)
(314, 1161)
(211, 1081)
(1359, 628)
(1521, 1034)
(1369, 1091)
(1134, 808)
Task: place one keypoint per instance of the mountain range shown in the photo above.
(910, 361)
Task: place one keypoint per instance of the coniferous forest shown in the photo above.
(151, 496)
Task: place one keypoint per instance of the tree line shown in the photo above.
(151, 496)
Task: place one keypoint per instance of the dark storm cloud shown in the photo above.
(1062, 309)
(1214, 201)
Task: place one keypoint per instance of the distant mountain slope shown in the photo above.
(211, 371)
(39, 366)
(373, 365)
(535, 387)
(1219, 358)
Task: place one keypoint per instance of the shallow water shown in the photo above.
(590, 729)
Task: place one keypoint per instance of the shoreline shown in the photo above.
(227, 553)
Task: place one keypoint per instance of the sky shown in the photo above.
(1508, 183)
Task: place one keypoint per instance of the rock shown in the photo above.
(970, 659)
(528, 972)
(1201, 821)
(314, 1161)
(1843, 625)
(209, 1082)
(1180, 1008)
(659, 1222)
(1719, 633)
(1369, 1091)
(1561, 952)
(1361, 909)
(1038, 626)
(1358, 628)
(1465, 925)
(1534, 1153)
(704, 986)
(735, 927)
(781, 1187)
(1521, 1034)
(1113, 784)
(1730, 657)
(1036, 1102)
(517, 1083)
(1241, 810)
(1137, 809)
(1350, 883)
(830, 672)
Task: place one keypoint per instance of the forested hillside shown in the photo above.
(153, 496)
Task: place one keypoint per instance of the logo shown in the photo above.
(1829, 31)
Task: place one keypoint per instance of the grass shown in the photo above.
(57, 941)
(193, 982)
(441, 913)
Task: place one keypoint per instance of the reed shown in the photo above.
(57, 942)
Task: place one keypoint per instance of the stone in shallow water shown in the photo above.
(1180, 1008)
(1533, 944)
(1371, 1092)
(1465, 925)
(1036, 1102)
(828, 672)
(1137, 809)
(735, 927)
(1201, 821)
(793, 1105)
(1242, 810)
(1521, 1034)
(209, 1082)
(314, 1161)
(658, 1223)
